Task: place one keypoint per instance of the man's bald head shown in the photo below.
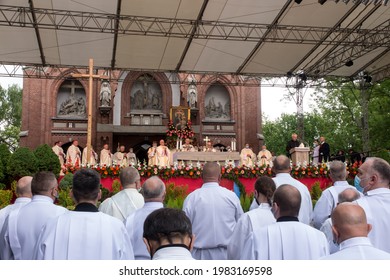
(23, 187)
(211, 172)
(288, 200)
(281, 164)
(348, 195)
(349, 220)
(153, 189)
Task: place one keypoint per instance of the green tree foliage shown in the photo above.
(341, 107)
(47, 160)
(22, 163)
(10, 115)
(4, 157)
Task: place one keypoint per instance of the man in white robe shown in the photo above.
(152, 154)
(73, 154)
(264, 157)
(105, 156)
(167, 234)
(248, 157)
(93, 158)
(85, 233)
(163, 155)
(241, 244)
(125, 202)
(214, 212)
(347, 195)
(131, 157)
(25, 224)
(120, 157)
(329, 197)
(374, 177)
(153, 191)
(209, 147)
(57, 149)
(288, 239)
(350, 231)
(23, 193)
(282, 169)
(187, 147)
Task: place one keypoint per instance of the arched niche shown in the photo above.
(71, 100)
(217, 103)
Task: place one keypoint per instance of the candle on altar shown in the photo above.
(181, 144)
(177, 144)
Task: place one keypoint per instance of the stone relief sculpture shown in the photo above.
(146, 95)
(105, 94)
(217, 103)
(73, 104)
(192, 93)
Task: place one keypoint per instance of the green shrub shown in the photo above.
(116, 187)
(175, 196)
(246, 201)
(47, 160)
(315, 192)
(64, 198)
(5, 198)
(22, 163)
(66, 181)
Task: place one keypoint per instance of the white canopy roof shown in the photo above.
(244, 37)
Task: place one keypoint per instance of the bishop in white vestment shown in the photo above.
(57, 149)
(163, 155)
(152, 154)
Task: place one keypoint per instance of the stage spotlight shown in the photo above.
(298, 1)
(349, 63)
(322, 2)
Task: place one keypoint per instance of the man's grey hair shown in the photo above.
(152, 188)
(337, 170)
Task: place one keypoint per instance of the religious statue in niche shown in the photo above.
(217, 103)
(73, 104)
(146, 94)
(105, 94)
(192, 93)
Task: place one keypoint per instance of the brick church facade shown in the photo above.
(137, 108)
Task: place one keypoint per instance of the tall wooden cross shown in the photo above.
(90, 76)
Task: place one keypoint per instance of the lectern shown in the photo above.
(300, 154)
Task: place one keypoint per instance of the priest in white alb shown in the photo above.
(187, 147)
(214, 212)
(73, 154)
(120, 157)
(105, 156)
(131, 157)
(152, 154)
(93, 157)
(288, 239)
(125, 202)
(25, 224)
(248, 157)
(163, 154)
(85, 233)
(57, 149)
(154, 194)
(264, 156)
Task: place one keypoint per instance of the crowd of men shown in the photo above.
(134, 224)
